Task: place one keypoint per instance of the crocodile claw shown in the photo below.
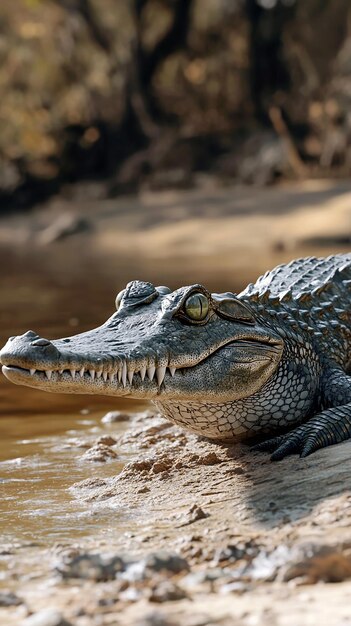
(303, 441)
(327, 428)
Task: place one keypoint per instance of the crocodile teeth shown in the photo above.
(172, 370)
(32, 372)
(99, 374)
(81, 372)
(60, 371)
(130, 376)
(151, 371)
(160, 374)
(92, 373)
(124, 374)
(112, 376)
(104, 375)
(143, 372)
(73, 373)
(119, 375)
(48, 374)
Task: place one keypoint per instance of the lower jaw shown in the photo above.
(203, 418)
(64, 383)
(169, 394)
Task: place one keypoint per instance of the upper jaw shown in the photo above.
(36, 362)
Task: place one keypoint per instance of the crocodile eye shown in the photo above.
(119, 298)
(196, 306)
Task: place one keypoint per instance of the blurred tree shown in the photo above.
(147, 61)
(86, 10)
(124, 90)
(268, 68)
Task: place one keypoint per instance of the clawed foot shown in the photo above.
(303, 441)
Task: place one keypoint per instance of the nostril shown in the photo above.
(40, 342)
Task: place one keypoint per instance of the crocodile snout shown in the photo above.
(28, 350)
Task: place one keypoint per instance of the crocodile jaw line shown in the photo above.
(119, 381)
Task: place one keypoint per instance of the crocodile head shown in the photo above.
(186, 345)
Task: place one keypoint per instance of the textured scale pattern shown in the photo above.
(309, 276)
(263, 412)
(312, 297)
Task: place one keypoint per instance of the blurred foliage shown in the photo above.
(125, 90)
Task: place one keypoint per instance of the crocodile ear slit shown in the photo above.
(228, 306)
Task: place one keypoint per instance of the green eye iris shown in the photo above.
(196, 306)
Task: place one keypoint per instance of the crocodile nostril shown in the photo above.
(40, 342)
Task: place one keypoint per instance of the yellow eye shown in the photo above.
(119, 298)
(196, 306)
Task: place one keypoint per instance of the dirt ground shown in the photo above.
(216, 534)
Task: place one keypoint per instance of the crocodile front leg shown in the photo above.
(332, 425)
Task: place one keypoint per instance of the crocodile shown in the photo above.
(273, 360)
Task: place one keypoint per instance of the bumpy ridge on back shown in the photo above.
(310, 296)
(303, 276)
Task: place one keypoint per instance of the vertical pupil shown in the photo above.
(197, 306)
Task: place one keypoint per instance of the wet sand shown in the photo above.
(190, 532)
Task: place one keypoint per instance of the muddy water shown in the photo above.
(37, 467)
(41, 435)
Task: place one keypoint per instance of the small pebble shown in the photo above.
(194, 514)
(92, 567)
(157, 562)
(162, 561)
(115, 416)
(99, 453)
(166, 591)
(314, 563)
(235, 552)
(106, 440)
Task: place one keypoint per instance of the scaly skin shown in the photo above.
(275, 357)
